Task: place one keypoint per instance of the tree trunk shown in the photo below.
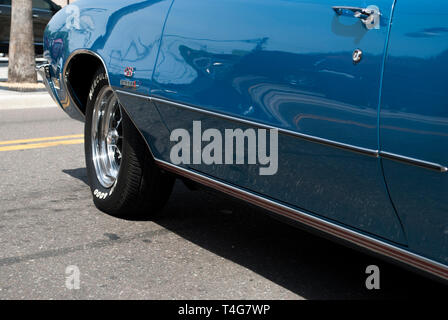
(22, 63)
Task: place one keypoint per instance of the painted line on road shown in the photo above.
(45, 142)
(41, 145)
(72, 136)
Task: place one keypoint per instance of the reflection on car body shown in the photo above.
(361, 112)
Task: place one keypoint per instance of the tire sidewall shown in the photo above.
(104, 198)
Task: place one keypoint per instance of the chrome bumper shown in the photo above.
(45, 72)
(66, 103)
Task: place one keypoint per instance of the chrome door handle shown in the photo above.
(35, 16)
(370, 16)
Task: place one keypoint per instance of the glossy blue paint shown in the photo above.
(123, 33)
(286, 64)
(414, 122)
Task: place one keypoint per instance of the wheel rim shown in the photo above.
(107, 137)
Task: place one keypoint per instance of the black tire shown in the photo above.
(141, 188)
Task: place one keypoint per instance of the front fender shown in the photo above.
(119, 34)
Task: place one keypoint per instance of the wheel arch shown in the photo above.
(78, 82)
(79, 70)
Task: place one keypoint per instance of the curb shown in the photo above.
(38, 87)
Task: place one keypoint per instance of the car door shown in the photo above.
(42, 13)
(302, 66)
(414, 124)
(5, 20)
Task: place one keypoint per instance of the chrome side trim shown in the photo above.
(137, 95)
(339, 145)
(413, 161)
(354, 237)
(346, 234)
(314, 139)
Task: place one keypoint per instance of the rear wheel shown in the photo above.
(123, 177)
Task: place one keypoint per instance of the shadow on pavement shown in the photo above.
(308, 265)
(80, 174)
(303, 263)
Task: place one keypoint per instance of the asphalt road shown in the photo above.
(204, 246)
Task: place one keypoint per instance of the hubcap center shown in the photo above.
(112, 137)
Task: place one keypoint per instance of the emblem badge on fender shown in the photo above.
(129, 84)
(129, 72)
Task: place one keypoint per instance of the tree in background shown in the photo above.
(22, 63)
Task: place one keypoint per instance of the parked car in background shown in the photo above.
(43, 10)
(360, 106)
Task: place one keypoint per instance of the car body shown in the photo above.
(361, 109)
(43, 10)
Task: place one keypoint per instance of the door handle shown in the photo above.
(369, 16)
(35, 16)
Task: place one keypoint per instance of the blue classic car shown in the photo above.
(331, 114)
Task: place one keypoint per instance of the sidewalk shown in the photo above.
(5, 60)
(10, 100)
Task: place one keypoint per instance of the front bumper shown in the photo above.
(44, 71)
(66, 103)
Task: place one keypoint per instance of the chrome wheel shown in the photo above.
(106, 137)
